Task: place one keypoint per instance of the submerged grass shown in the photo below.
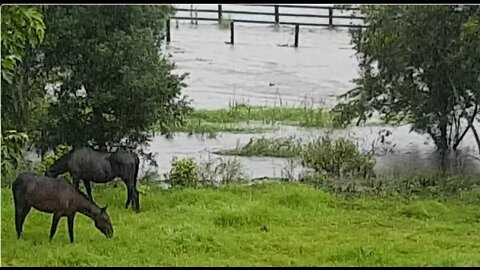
(307, 117)
(199, 126)
(228, 120)
(262, 225)
(289, 147)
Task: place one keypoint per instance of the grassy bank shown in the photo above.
(227, 120)
(265, 225)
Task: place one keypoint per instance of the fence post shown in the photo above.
(219, 13)
(297, 29)
(277, 19)
(196, 16)
(191, 14)
(232, 33)
(168, 30)
(330, 17)
(359, 39)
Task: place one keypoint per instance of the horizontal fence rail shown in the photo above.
(302, 6)
(275, 15)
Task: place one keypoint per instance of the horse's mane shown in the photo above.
(86, 197)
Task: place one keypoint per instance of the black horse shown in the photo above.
(92, 166)
(58, 197)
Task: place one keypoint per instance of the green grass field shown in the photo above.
(263, 225)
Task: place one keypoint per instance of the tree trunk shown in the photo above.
(470, 124)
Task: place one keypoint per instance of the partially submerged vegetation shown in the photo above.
(198, 126)
(250, 119)
(242, 118)
(268, 147)
(334, 157)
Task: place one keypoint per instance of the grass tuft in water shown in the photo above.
(254, 119)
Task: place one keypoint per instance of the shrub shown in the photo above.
(220, 171)
(337, 158)
(184, 172)
(13, 143)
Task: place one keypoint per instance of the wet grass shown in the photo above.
(194, 125)
(288, 147)
(255, 119)
(263, 225)
(305, 117)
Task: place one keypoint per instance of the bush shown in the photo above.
(13, 143)
(219, 171)
(337, 158)
(184, 172)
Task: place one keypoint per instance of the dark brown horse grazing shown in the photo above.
(58, 197)
(92, 166)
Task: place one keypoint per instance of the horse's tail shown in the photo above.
(127, 169)
(137, 168)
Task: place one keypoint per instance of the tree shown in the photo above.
(419, 64)
(21, 26)
(23, 30)
(114, 82)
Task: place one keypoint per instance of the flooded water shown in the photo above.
(257, 71)
(412, 152)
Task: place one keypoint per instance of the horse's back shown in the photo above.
(124, 157)
(41, 192)
(126, 162)
(90, 164)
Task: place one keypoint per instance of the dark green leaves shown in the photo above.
(419, 64)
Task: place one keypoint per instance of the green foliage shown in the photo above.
(23, 31)
(184, 173)
(13, 144)
(22, 26)
(112, 81)
(418, 63)
(50, 158)
(337, 158)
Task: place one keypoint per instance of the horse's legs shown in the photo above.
(88, 187)
(70, 218)
(129, 195)
(55, 220)
(132, 196)
(21, 212)
(137, 199)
